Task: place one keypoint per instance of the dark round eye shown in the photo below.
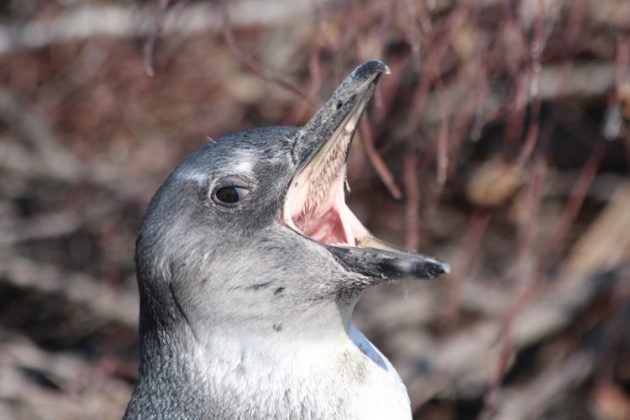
(339, 105)
(230, 195)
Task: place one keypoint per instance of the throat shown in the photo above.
(319, 211)
(326, 229)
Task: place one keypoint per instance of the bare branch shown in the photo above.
(531, 400)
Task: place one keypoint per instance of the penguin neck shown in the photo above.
(205, 347)
(279, 343)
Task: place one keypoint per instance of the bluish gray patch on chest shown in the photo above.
(367, 348)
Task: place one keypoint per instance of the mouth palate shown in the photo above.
(315, 203)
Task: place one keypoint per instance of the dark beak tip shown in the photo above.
(432, 269)
(369, 68)
(440, 268)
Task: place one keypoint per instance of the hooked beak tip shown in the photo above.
(442, 268)
(370, 67)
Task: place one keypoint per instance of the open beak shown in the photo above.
(315, 201)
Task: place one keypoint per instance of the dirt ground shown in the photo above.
(500, 142)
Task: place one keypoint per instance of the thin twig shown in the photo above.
(151, 42)
(377, 162)
(412, 205)
(255, 67)
(315, 74)
(574, 203)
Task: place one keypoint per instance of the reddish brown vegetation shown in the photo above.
(504, 127)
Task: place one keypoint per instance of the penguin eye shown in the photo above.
(229, 195)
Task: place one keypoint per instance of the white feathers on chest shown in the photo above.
(344, 378)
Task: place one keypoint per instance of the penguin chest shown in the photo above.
(347, 379)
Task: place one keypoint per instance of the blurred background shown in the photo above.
(500, 142)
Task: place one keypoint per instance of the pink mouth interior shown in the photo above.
(319, 211)
(327, 229)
